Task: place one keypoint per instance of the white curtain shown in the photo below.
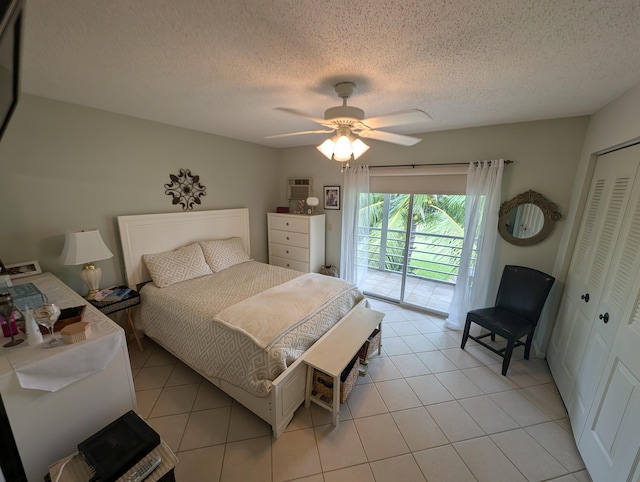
(355, 225)
(484, 182)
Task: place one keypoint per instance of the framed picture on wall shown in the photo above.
(331, 197)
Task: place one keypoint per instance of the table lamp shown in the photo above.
(86, 247)
(312, 202)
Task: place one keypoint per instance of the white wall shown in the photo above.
(66, 168)
(546, 154)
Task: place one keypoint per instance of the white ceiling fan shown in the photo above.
(349, 124)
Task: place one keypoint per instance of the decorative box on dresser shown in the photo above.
(48, 425)
(296, 241)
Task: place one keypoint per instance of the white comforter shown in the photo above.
(245, 324)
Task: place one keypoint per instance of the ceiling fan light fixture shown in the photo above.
(327, 148)
(358, 148)
(342, 151)
(343, 147)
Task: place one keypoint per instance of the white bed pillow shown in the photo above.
(182, 264)
(223, 253)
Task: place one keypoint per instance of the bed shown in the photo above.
(209, 321)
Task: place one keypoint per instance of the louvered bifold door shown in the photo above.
(609, 443)
(616, 291)
(593, 268)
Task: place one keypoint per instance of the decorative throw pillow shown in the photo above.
(181, 264)
(224, 253)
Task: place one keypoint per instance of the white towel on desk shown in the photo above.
(54, 368)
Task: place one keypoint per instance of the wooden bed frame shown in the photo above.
(155, 233)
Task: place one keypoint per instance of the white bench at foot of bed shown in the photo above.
(333, 352)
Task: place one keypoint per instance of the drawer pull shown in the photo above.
(287, 224)
(287, 238)
(287, 251)
(288, 265)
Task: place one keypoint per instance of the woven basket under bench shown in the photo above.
(323, 383)
(372, 344)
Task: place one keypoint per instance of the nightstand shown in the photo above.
(107, 307)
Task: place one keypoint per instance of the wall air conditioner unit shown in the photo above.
(298, 188)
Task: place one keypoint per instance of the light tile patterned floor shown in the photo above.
(427, 410)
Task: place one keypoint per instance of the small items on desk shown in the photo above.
(75, 332)
(25, 295)
(34, 335)
(6, 312)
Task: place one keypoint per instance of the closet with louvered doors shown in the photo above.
(600, 287)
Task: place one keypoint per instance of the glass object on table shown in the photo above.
(6, 310)
(47, 315)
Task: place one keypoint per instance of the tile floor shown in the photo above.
(422, 293)
(426, 410)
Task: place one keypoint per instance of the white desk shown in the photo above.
(47, 426)
(333, 353)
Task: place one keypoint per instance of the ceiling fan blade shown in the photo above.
(413, 116)
(317, 120)
(390, 137)
(321, 131)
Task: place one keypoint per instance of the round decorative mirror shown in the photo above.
(527, 219)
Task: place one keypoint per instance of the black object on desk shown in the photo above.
(129, 301)
(117, 447)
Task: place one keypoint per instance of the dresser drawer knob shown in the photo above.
(287, 238)
(287, 251)
(287, 224)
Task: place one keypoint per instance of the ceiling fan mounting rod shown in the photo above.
(344, 114)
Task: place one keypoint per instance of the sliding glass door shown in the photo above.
(414, 248)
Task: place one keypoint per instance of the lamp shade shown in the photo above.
(359, 148)
(84, 247)
(327, 148)
(342, 151)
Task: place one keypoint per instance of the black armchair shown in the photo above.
(521, 296)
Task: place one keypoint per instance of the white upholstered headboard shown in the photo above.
(156, 233)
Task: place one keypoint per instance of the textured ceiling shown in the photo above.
(222, 66)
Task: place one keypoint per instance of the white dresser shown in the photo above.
(296, 241)
(49, 425)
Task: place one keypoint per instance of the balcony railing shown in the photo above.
(430, 256)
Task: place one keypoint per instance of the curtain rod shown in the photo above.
(507, 161)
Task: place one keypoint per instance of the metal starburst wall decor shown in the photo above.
(185, 189)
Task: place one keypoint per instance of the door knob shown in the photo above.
(604, 317)
(585, 297)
